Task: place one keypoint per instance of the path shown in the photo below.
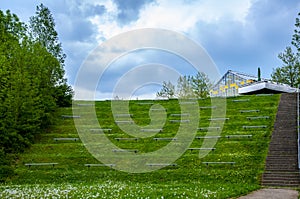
(270, 193)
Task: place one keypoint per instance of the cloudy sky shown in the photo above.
(239, 35)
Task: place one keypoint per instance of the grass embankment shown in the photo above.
(190, 179)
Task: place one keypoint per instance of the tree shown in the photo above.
(258, 74)
(167, 91)
(14, 92)
(63, 95)
(184, 87)
(296, 36)
(42, 29)
(42, 32)
(31, 84)
(187, 87)
(289, 73)
(201, 85)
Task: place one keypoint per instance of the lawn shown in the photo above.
(190, 178)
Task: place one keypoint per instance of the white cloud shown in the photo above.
(175, 15)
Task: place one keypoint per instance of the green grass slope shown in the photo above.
(189, 179)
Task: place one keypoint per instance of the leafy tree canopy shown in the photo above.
(32, 83)
(289, 73)
(187, 87)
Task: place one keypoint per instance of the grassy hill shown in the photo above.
(191, 178)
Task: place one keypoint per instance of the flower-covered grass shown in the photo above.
(189, 179)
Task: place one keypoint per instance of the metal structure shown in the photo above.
(229, 84)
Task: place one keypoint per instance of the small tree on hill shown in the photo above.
(167, 91)
(289, 73)
(201, 85)
(184, 87)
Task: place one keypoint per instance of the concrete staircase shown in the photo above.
(282, 159)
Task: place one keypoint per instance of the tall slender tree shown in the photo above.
(42, 31)
(258, 74)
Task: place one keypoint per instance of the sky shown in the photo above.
(239, 35)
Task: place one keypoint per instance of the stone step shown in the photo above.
(279, 128)
(289, 160)
(277, 179)
(288, 146)
(280, 183)
(283, 145)
(284, 132)
(286, 137)
(282, 160)
(282, 157)
(281, 152)
(282, 178)
(286, 164)
(281, 174)
(281, 148)
(281, 168)
(284, 141)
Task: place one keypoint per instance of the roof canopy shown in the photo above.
(266, 87)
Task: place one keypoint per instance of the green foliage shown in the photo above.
(167, 91)
(187, 87)
(6, 170)
(42, 29)
(63, 95)
(201, 85)
(289, 73)
(184, 87)
(296, 35)
(31, 81)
